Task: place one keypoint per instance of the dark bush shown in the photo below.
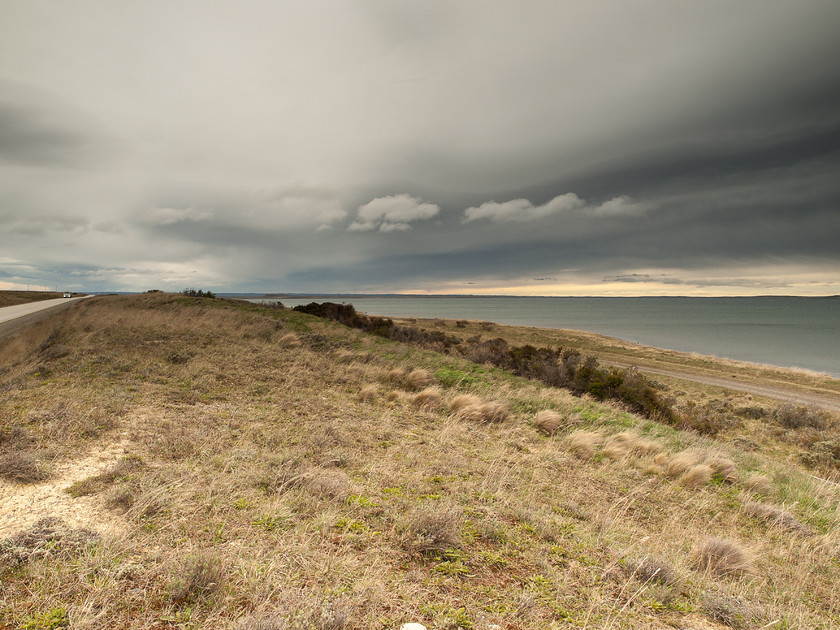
(198, 293)
(793, 416)
(557, 368)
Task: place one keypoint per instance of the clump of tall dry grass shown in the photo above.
(584, 444)
(493, 412)
(396, 376)
(463, 400)
(758, 484)
(369, 393)
(549, 422)
(289, 340)
(429, 398)
(629, 443)
(680, 463)
(418, 379)
(697, 476)
(773, 516)
(724, 469)
(651, 569)
(722, 557)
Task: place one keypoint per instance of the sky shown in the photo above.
(545, 147)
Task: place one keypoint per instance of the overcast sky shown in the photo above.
(546, 147)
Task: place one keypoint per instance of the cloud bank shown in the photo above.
(554, 147)
(394, 213)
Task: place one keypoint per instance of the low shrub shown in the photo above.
(48, 537)
(431, 531)
(554, 367)
(725, 609)
(650, 569)
(823, 453)
(793, 416)
(199, 575)
(198, 293)
(23, 466)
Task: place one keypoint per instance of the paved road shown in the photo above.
(13, 318)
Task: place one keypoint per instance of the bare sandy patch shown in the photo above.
(22, 505)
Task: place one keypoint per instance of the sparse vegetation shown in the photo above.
(198, 293)
(219, 464)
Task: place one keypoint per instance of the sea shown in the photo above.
(791, 332)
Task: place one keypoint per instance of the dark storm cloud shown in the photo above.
(398, 145)
(40, 131)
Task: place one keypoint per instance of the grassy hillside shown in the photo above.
(173, 462)
(11, 298)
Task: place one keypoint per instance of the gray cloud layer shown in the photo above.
(381, 146)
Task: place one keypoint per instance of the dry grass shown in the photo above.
(369, 393)
(289, 340)
(722, 557)
(759, 484)
(774, 516)
(12, 298)
(24, 466)
(272, 487)
(429, 398)
(549, 422)
(584, 443)
(493, 412)
(432, 530)
(697, 476)
(724, 468)
(651, 569)
(463, 400)
(681, 463)
(418, 379)
(197, 576)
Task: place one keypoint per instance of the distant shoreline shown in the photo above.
(303, 296)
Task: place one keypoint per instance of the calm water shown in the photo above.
(789, 332)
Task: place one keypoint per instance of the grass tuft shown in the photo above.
(697, 476)
(650, 569)
(463, 400)
(584, 444)
(722, 557)
(493, 412)
(429, 398)
(418, 379)
(773, 516)
(549, 422)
